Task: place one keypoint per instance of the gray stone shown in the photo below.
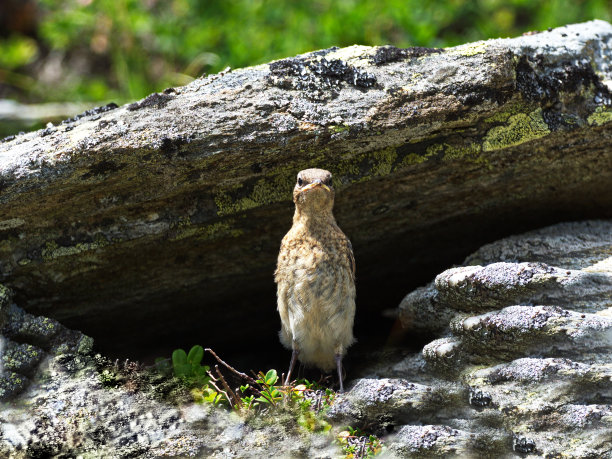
(528, 380)
(499, 284)
(572, 246)
(526, 350)
(429, 441)
(382, 402)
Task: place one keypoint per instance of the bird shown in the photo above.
(315, 277)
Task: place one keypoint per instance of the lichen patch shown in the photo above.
(519, 129)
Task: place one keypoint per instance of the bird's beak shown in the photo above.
(317, 182)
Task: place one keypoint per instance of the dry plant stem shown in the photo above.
(235, 398)
(230, 368)
(212, 383)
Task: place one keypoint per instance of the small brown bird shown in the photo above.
(316, 278)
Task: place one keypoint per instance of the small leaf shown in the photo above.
(271, 377)
(199, 370)
(179, 356)
(195, 355)
(182, 369)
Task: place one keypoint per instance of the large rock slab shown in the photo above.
(153, 213)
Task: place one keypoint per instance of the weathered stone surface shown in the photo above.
(27, 341)
(431, 441)
(520, 380)
(154, 213)
(583, 245)
(532, 376)
(73, 404)
(388, 401)
(582, 282)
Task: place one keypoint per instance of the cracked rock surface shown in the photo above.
(524, 366)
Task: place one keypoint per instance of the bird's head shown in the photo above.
(313, 191)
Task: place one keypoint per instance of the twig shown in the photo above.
(230, 368)
(212, 382)
(236, 399)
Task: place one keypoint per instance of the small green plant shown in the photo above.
(262, 393)
(188, 367)
(356, 445)
(270, 394)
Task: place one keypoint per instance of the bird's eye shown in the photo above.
(300, 181)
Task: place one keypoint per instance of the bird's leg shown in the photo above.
(339, 367)
(294, 356)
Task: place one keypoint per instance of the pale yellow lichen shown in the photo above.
(519, 129)
(470, 49)
(604, 265)
(600, 116)
(53, 251)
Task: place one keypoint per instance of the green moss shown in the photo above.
(434, 150)
(519, 129)
(471, 150)
(506, 112)
(265, 191)
(340, 128)
(600, 116)
(383, 161)
(411, 159)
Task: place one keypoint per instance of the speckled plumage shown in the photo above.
(316, 277)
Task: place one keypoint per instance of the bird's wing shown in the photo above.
(351, 257)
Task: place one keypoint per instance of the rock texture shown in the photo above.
(129, 214)
(524, 370)
(57, 399)
(525, 367)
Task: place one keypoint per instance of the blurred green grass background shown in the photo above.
(120, 50)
